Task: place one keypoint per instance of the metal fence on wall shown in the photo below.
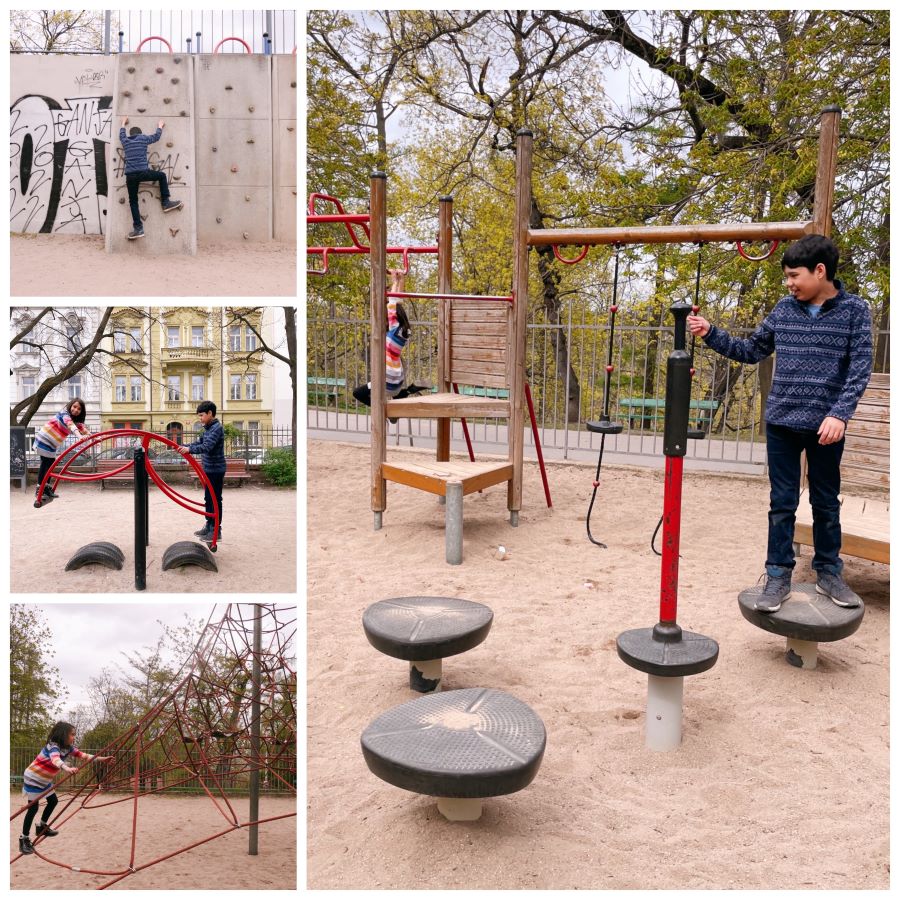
(727, 398)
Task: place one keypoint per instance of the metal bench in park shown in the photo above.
(329, 388)
(235, 472)
(642, 412)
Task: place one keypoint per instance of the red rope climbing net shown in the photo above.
(199, 736)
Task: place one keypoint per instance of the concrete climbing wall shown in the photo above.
(234, 147)
(150, 87)
(284, 142)
(59, 134)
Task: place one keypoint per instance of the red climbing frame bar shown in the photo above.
(537, 444)
(465, 429)
(239, 40)
(153, 37)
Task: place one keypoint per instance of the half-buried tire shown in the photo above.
(189, 553)
(102, 553)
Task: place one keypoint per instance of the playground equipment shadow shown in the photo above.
(782, 776)
(251, 558)
(61, 265)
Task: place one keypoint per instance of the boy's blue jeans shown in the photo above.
(823, 472)
(133, 183)
(216, 479)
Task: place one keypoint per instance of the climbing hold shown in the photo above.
(290, 128)
(174, 231)
(159, 70)
(251, 141)
(167, 99)
(212, 109)
(175, 80)
(182, 113)
(252, 108)
(218, 220)
(169, 144)
(131, 68)
(142, 109)
(228, 87)
(177, 59)
(246, 235)
(234, 168)
(294, 84)
(214, 149)
(247, 197)
(121, 199)
(126, 93)
(177, 177)
(146, 87)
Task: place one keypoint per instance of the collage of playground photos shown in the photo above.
(154, 559)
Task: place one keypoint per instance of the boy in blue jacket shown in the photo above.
(137, 169)
(822, 338)
(211, 444)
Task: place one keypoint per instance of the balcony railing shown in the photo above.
(187, 354)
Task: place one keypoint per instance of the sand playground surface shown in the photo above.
(100, 839)
(44, 265)
(781, 780)
(257, 554)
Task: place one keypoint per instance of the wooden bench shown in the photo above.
(235, 471)
(329, 388)
(865, 513)
(647, 410)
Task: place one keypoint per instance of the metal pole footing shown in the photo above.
(378, 521)
(460, 809)
(514, 518)
(453, 528)
(802, 654)
(425, 675)
(665, 703)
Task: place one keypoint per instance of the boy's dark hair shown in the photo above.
(81, 416)
(809, 251)
(59, 734)
(134, 130)
(206, 406)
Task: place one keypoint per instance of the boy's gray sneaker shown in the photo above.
(776, 591)
(172, 205)
(137, 233)
(835, 588)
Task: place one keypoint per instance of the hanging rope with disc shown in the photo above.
(605, 426)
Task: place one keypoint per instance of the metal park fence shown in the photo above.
(190, 31)
(278, 778)
(566, 369)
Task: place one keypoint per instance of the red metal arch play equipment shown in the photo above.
(239, 40)
(63, 474)
(153, 37)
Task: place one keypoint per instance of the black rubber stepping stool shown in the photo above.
(805, 620)
(425, 630)
(458, 746)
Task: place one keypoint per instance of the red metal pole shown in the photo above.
(668, 588)
(537, 444)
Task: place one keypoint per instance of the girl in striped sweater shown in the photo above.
(49, 441)
(38, 779)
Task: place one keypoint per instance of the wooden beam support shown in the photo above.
(826, 169)
(378, 328)
(445, 284)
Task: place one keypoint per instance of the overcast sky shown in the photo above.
(88, 637)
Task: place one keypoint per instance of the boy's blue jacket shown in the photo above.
(212, 445)
(822, 364)
(136, 150)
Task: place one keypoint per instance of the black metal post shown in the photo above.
(255, 712)
(140, 521)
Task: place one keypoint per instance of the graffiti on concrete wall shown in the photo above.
(58, 180)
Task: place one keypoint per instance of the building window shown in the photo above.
(198, 387)
(119, 341)
(173, 336)
(235, 387)
(173, 387)
(250, 338)
(253, 434)
(137, 389)
(197, 335)
(250, 381)
(29, 386)
(135, 340)
(72, 332)
(234, 337)
(73, 387)
(120, 389)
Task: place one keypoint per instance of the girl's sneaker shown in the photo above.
(44, 830)
(25, 844)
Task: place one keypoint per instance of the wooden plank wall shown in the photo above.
(867, 449)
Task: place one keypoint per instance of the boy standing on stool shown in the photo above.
(137, 169)
(211, 444)
(822, 337)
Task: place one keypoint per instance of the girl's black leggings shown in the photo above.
(52, 800)
(46, 462)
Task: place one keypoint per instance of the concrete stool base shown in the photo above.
(665, 705)
(459, 809)
(425, 675)
(805, 619)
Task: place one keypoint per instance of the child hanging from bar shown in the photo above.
(398, 332)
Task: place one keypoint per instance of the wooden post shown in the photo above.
(378, 328)
(255, 712)
(826, 169)
(524, 147)
(445, 278)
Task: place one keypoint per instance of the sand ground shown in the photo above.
(100, 839)
(45, 265)
(258, 552)
(781, 780)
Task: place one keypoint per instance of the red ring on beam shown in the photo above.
(772, 248)
(570, 262)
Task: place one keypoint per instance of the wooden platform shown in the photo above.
(865, 520)
(447, 406)
(433, 476)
